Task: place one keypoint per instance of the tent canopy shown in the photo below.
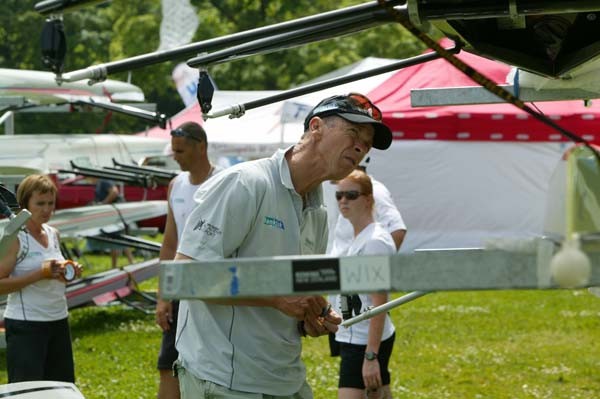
(262, 130)
(490, 122)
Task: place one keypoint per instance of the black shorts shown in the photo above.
(168, 354)
(39, 350)
(352, 361)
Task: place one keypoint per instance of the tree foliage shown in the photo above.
(122, 29)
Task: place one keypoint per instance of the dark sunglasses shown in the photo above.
(182, 133)
(350, 195)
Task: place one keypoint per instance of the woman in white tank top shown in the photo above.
(38, 340)
(365, 347)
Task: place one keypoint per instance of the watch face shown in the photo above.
(370, 355)
(69, 271)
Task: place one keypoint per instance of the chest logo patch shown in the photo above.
(273, 222)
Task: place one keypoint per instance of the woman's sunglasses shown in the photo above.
(350, 195)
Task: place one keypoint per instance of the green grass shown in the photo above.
(510, 344)
(500, 344)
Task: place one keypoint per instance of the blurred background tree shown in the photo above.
(122, 29)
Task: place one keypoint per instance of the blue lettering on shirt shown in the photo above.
(271, 221)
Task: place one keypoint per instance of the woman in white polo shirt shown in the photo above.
(38, 341)
(365, 347)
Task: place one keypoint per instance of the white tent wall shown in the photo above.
(258, 133)
(451, 194)
(459, 194)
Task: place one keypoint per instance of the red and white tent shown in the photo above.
(490, 122)
(459, 174)
(465, 175)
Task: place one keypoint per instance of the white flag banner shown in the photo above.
(179, 23)
(294, 112)
(186, 81)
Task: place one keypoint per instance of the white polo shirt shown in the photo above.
(248, 210)
(386, 214)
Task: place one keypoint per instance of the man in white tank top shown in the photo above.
(189, 146)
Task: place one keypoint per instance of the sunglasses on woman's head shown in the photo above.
(350, 195)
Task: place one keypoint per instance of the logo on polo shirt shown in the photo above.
(199, 225)
(274, 222)
(207, 228)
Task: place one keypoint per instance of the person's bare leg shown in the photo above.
(351, 393)
(129, 255)
(168, 386)
(114, 256)
(387, 392)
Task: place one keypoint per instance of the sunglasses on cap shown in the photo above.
(355, 108)
(350, 195)
(179, 132)
(363, 102)
(354, 103)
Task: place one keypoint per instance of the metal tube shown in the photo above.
(155, 117)
(293, 38)
(384, 308)
(8, 119)
(238, 109)
(477, 9)
(99, 72)
(145, 170)
(57, 6)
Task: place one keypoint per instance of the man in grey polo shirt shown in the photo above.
(247, 348)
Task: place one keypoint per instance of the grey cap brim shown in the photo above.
(382, 138)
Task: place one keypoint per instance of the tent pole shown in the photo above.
(237, 110)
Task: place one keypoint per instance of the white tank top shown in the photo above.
(182, 197)
(372, 240)
(43, 300)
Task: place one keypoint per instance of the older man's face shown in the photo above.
(346, 144)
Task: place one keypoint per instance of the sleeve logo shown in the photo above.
(207, 228)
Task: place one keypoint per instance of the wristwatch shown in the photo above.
(370, 355)
(68, 269)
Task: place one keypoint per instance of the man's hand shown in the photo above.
(301, 307)
(164, 314)
(324, 324)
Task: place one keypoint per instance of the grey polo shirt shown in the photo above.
(248, 210)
